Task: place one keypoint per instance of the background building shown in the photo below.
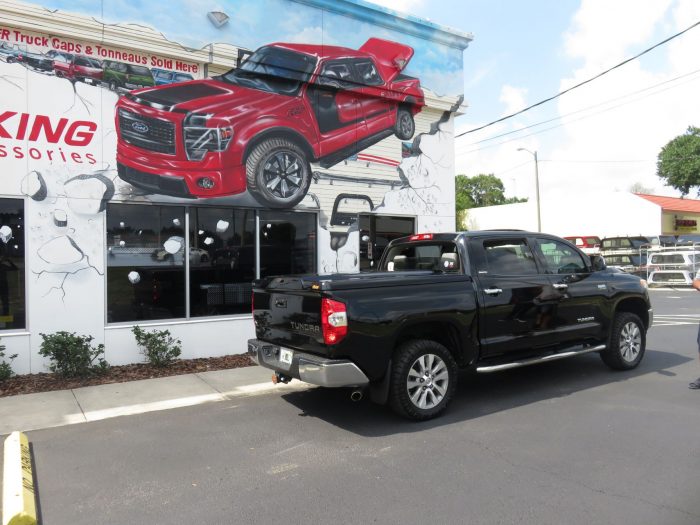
(158, 207)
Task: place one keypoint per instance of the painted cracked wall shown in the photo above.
(59, 140)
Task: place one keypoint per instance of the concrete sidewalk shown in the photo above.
(92, 403)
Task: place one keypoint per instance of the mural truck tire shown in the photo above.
(277, 173)
(405, 125)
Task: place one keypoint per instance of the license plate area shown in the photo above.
(286, 356)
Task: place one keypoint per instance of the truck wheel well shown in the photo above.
(635, 306)
(279, 133)
(441, 332)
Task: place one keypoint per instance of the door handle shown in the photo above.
(560, 286)
(492, 291)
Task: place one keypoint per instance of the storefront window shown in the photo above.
(146, 266)
(145, 262)
(287, 243)
(222, 260)
(12, 304)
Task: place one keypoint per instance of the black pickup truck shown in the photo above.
(483, 300)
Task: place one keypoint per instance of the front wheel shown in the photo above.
(423, 379)
(627, 342)
(277, 173)
(405, 125)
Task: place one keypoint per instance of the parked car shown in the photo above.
(37, 61)
(624, 244)
(588, 244)
(259, 126)
(165, 76)
(689, 238)
(8, 53)
(78, 67)
(662, 240)
(484, 301)
(120, 75)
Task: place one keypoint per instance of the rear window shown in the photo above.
(424, 256)
(139, 70)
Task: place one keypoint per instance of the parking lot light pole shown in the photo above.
(537, 187)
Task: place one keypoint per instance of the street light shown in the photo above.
(537, 187)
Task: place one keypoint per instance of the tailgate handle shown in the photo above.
(281, 303)
(492, 291)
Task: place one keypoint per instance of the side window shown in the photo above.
(336, 74)
(368, 74)
(509, 257)
(560, 258)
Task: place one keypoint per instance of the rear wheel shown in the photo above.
(405, 125)
(423, 379)
(627, 342)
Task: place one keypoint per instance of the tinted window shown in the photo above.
(509, 257)
(12, 297)
(336, 74)
(82, 61)
(434, 256)
(139, 70)
(182, 77)
(560, 258)
(222, 260)
(367, 73)
(287, 243)
(145, 262)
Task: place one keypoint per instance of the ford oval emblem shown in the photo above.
(139, 127)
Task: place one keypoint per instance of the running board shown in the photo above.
(537, 360)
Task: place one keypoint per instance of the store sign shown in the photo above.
(686, 224)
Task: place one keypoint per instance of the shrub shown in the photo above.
(158, 346)
(5, 368)
(73, 355)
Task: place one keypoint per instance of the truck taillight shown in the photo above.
(421, 237)
(334, 321)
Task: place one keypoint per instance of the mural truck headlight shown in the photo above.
(201, 138)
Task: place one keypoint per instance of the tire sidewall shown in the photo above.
(405, 357)
(401, 114)
(256, 179)
(613, 354)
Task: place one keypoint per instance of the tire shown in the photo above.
(278, 174)
(423, 379)
(405, 126)
(627, 342)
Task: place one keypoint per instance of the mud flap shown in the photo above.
(379, 390)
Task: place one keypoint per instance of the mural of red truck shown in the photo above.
(260, 126)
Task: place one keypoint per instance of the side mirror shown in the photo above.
(598, 263)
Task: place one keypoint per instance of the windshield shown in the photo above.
(273, 69)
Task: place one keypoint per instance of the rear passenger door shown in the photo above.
(577, 316)
(517, 300)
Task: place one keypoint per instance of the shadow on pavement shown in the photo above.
(479, 394)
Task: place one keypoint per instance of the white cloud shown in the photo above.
(513, 98)
(402, 6)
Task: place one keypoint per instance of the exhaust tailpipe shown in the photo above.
(280, 378)
(356, 395)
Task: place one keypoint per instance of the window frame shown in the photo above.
(6, 332)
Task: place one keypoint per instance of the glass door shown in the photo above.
(376, 231)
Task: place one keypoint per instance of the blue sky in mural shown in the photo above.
(253, 24)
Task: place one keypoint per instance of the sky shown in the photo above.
(603, 136)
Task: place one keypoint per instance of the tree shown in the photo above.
(476, 192)
(678, 162)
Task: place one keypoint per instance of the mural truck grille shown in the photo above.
(146, 132)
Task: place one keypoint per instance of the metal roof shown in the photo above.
(673, 203)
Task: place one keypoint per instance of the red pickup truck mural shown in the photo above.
(259, 126)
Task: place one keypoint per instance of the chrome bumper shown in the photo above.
(309, 368)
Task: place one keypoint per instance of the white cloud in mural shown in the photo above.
(134, 277)
(5, 234)
(174, 245)
(222, 226)
(208, 241)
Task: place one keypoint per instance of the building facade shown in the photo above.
(155, 161)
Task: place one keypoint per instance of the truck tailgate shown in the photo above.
(287, 312)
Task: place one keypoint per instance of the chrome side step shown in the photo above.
(537, 360)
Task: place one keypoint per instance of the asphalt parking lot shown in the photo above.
(566, 442)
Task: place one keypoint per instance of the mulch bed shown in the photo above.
(45, 382)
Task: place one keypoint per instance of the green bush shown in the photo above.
(5, 368)
(158, 346)
(73, 355)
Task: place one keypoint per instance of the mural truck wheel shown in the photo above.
(277, 173)
(405, 125)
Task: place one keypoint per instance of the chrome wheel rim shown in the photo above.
(630, 342)
(283, 174)
(427, 381)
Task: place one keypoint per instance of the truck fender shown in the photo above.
(379, 390)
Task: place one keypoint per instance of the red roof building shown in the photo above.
(678, 216)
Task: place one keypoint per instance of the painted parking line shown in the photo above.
(675, 319)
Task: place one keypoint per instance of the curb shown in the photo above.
(18, 498)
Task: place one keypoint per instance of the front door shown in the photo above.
(376, 231)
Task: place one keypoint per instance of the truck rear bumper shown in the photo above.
(309, 368)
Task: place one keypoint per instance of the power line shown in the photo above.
(549, 99)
